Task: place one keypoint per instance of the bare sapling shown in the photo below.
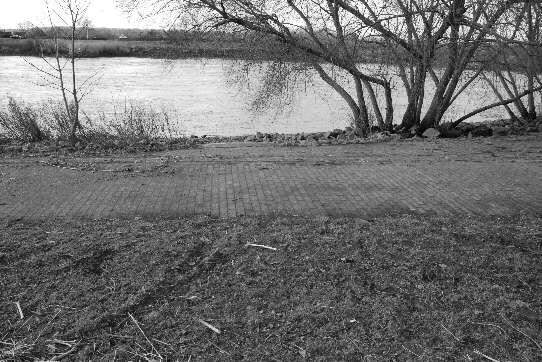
(61, 72)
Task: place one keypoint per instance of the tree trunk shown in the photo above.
(500, 97)
(389, 106)
(75, 120)
(362, 122)
(374, 101)
(531, 38)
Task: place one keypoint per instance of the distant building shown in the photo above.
(123, 37)
(5, 34)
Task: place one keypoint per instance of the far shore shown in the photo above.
(196, 48)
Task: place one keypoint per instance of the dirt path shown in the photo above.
(496, 176)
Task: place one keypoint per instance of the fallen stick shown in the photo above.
(211, 327)
(61, 356)
(486, 357)
(18, 305)
(262, 246)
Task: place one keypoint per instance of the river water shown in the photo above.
(203, 96)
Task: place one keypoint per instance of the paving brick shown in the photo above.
(269, 181)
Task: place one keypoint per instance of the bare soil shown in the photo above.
(405, 288)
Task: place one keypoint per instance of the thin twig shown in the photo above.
(18, 305)
(220, 349)
(261, 246)
(143, 333)
(485, 356)
(211, 327)
(62, 355)
(520, 331)
(447, 330)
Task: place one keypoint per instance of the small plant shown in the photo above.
(136, 123)
(57, 120)
(20, 122)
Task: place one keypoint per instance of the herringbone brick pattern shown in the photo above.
(245, 184)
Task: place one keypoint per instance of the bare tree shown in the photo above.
(321, 32)
(516, 63)
(436, 34)
(71, 13)
(434, 40)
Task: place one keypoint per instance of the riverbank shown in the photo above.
(101, 142)
(227, 48)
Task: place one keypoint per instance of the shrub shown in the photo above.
(20, 122)
(57, 121)
(137, 122)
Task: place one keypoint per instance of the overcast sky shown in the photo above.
(102, 13)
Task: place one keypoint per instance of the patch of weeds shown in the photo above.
(138, 123)
(20, 122)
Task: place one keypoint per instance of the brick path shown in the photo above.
(239, 180)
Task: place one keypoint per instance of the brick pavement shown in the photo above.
(235, 180)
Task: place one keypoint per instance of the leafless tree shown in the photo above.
(516, 62)
(71, 13)
(321, 32)
(434, 40)
(436, 34)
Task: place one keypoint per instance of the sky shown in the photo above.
(102, 13)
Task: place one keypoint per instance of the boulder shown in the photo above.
(481, 131)
(251, 138)
(13, 149)
(466, 127)
(431, 133)
(501, 131)
(336, 132)
(451, 133)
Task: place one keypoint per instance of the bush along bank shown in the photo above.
(101, 142)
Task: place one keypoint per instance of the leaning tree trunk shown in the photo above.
(362, 121)
(531, 37)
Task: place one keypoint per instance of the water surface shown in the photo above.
(200, 98)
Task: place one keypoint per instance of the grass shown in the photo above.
(21, 122)
(404, 288)
(135, 122)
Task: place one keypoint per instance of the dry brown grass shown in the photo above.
(404, 288)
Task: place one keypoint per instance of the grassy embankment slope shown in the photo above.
(403, 288)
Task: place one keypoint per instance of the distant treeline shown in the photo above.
(103, 42)
(85, 33)
(162, 44)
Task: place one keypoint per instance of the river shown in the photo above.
(202, 97)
